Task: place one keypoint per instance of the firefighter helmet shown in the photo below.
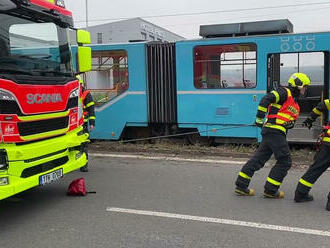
(299, 80)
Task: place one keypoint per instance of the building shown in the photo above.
(135, 29)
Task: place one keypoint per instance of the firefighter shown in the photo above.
(88, 113)
(281, 111)
(322, 161)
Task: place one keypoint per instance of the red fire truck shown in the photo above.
(41, 135)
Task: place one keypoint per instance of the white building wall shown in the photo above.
(132, 29)
(99, 80)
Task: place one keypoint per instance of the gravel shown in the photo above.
(302, 156)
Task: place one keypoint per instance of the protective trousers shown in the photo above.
(85, 129)
(321, 164)
(271, 143)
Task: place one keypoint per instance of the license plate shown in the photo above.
(51, 177)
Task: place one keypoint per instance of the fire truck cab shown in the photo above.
(41, 134)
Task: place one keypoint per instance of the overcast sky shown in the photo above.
(184, 16)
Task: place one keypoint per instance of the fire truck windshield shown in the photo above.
(39, 49)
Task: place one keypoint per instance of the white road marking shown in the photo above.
(168, 158)
(220, 221)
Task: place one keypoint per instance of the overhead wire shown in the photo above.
(214, 11)
(243, 17)
(233, 126)
(180, 27)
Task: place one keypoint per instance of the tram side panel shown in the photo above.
(217, 87)
(119, 89)
(308, 53)
(219, 84)
(221, 81)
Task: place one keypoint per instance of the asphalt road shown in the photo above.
(185, 204)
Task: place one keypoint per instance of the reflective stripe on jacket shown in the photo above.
(322, 108)
(280, 115)
(88, 107)
(326, 137)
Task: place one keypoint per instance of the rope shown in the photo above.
(187, 133)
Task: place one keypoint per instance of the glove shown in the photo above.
(308, 123)
(259, 122)
(289, 124)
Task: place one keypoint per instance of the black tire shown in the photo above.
(196, 139)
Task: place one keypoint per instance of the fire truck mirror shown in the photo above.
(84, 59)
(83, 37)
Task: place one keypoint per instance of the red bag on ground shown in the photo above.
(77, 187)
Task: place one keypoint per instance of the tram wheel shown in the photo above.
(196, 139)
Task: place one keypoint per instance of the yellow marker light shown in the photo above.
(214, 130)
(112, 134)
(4, 181)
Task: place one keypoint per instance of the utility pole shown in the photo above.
(86, 14)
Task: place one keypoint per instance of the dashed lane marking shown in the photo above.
(168, 158)
(220, 221)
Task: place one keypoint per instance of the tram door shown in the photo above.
(316, 66)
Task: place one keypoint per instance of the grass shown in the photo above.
(300, 154)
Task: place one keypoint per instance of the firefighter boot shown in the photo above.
(84, 168)
(275, 195)
(301, 197)
(244, 191)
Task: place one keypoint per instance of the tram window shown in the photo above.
(109, 75)
(311, 64)
(225, 66)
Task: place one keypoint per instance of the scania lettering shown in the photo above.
(41, 134)
(43, 98)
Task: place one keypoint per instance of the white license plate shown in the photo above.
(51, 177)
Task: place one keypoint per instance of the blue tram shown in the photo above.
(211, 85)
